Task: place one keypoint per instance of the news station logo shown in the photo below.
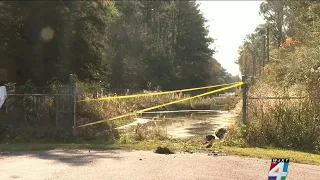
(278, 169)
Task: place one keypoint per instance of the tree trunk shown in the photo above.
(65, 43)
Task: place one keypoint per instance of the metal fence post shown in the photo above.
(73, 96)
(244, 100)
(57, 109)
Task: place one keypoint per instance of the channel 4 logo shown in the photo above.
(278, 169)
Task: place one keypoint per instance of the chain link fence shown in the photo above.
(32, 113)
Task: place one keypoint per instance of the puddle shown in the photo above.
(185, 124)
(202, 129)
(135, 123)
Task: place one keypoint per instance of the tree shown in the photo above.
(274, 12)
(122, 44)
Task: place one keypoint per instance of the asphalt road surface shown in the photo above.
(139, 165)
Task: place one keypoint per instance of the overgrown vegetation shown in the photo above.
(33, 118)
(286, 65)
(105, 44)
(91, 111)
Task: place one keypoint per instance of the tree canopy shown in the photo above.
(286, 47)
(122, 44)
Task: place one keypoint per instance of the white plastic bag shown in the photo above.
(3, 95)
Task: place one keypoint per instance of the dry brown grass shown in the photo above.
(91, 111)
(285, 123)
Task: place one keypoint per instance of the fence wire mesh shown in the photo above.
(35, 112)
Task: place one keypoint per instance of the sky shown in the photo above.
(229, 22)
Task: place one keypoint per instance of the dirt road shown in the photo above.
(138, 165)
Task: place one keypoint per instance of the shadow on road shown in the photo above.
(70, 157)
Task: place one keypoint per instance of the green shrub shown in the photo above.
(236, 136)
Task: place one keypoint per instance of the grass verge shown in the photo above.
(268, 153)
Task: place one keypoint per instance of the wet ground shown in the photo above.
(184, 124)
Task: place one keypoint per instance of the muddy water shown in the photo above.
(184, 124)
(200, 127)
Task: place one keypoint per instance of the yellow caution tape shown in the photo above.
(156, 93)
(162, 105)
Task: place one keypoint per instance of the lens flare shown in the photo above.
(47, 34)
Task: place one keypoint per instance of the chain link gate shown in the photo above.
(31, 110)
(66, 107)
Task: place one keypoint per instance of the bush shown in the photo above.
(236, 136)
